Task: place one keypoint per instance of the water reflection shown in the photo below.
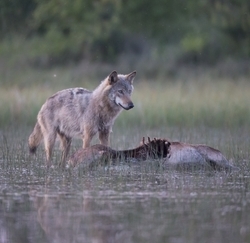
(130, 205)
(66, 218)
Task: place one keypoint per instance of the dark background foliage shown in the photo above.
(101, 30)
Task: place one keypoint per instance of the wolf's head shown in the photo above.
(121, 89)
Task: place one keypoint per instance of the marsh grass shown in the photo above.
(139, 199)
(140, 203)
(210, 103)
(214, 103)
(195, 109)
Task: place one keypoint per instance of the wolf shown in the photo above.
(78, 112)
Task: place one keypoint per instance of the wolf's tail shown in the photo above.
(35, 138)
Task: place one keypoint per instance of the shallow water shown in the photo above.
(142, 203)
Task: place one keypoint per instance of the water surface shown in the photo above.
(137, 203)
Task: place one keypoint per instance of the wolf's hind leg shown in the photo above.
(49, 142)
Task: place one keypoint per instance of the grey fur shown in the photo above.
(78, 112)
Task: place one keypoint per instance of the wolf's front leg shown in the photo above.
(89, 133)
(65, 147)
(104, 137)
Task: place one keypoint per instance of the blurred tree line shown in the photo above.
(203, 30)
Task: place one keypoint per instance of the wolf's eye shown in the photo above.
(120, 91)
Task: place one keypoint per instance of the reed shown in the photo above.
(213, 103)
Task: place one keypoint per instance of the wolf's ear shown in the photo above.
(130, 77)
(113, 77)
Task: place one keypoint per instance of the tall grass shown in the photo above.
(210, 103)
(201, 101)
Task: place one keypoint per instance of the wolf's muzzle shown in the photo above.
(128, 107)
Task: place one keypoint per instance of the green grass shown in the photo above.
(210, 103)
(201, 101)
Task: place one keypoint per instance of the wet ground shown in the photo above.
(124, 203)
